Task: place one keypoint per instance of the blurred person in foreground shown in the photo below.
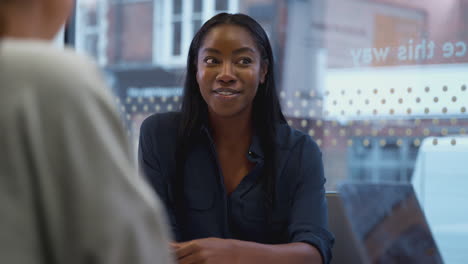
(69, 191)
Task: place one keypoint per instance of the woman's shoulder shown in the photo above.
(41, 64)
(162, 124)
(289, 138)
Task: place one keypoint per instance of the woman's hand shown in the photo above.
(206, 251)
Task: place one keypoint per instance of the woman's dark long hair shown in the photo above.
(266, 110)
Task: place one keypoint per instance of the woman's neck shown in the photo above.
(232, 131)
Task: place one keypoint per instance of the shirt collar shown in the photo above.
(255, 152)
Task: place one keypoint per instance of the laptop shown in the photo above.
(379, 223)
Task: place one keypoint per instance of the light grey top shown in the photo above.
(69, 190)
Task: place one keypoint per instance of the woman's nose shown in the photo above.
(226, 75)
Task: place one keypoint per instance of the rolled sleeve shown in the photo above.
(308, 219)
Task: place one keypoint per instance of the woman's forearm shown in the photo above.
(292, 253)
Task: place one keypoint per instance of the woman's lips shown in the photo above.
(226, 93)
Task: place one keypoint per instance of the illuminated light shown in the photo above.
(426, 132)
(366, 101)
(290, 122)
(375, 91)
(392, 111)
(444, 131)
(134, 108)
(392, 90)
(453, 142)
(374, 132)
(366, 142)
(312, 113)
(427, 89)
(163, 99)
(128, 100)
(151, 99)
(463, 88)
(157, 107)
(304, 103)
(454, 99)
(169, 107)
(366, 122)
(417, 122)
(434, 141)
(129, 117)
(282, 94)
(417, 142)
(140, 99)
(436, 99)
(349, 142)
(311, 132)
(383, 101)
(409, 132)
(342, 132)
(297, 94)
(382, 142)
(312, 93)
(418, 100)
(175, 99)
(400, 100)
(463, 109)
(399, 142)
(358, 132)
(391, 132)
(444, 110)
(304, 123)
(319, 123)
(408, 111)
(444, 88)
(334, 142)
(435, 121)
(290, 104)
(409, 89)
(334, 123)
(122, 108)
(453, 121)
(297, 113)
(350, 123)
(319, 142)
(426, 110)
(326, 132)
(145, 108)
(117, 100)
(462, 131)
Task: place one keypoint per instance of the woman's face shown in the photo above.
(229, 70)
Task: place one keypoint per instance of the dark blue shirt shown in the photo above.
(300, 214)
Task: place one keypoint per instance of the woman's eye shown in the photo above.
(245, 61)
(210, 60)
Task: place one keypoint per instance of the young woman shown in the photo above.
(239, 184)
(69, 191)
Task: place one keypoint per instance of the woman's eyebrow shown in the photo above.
(212, 50)
(244, 49)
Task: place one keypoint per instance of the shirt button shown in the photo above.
(250, 153)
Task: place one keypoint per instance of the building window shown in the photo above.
(176, 30)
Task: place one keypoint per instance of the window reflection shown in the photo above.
(370, 81)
